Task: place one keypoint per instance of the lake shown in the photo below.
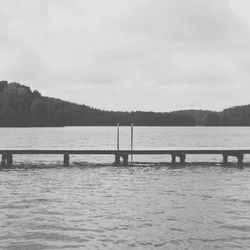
(95, 205)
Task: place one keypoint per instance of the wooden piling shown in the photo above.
(3, 161)
(66, 159)
(117, 159)
(173, 159)
(9, 158)
(125, 159)
(182, 158)
(225, 159)
(240, 158)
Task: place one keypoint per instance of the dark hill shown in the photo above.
(201, 116)
(19, 106)
(236, 116)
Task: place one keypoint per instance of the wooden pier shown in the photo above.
(121, 156)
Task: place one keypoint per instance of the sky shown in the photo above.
(158, 55)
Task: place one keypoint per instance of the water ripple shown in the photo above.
(119, 208)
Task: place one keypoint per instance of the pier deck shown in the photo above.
(7, 155)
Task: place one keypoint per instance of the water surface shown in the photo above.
(94, 205)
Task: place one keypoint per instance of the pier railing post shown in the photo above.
(66, 159)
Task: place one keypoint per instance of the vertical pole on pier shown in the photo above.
(118, 137)
(117, 155)
(132, 137)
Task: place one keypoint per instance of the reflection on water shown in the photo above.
(120, 208)
(98, 206)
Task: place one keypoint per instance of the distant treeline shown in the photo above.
(19, 106)
(234, 116)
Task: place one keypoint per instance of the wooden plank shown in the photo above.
(229, 152)
(59, 152)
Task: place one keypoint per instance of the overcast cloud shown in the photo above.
(158, 55)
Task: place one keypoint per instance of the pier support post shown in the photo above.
(182, 158)
(117, 159)
(225, 159)
(173, 159)
(3, 161)
(125, 159)
(240, 158)
(9, 158)
(66, 159)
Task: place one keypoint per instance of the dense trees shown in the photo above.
(236, 116)
(19, 106)
(202, 117)
(212, 119)
(15, 102)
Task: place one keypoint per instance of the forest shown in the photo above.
(21, 107)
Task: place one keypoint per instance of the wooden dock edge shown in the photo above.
(7, 155)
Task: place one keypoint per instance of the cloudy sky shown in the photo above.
(158, 55)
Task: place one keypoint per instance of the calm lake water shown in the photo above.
(94, 205)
